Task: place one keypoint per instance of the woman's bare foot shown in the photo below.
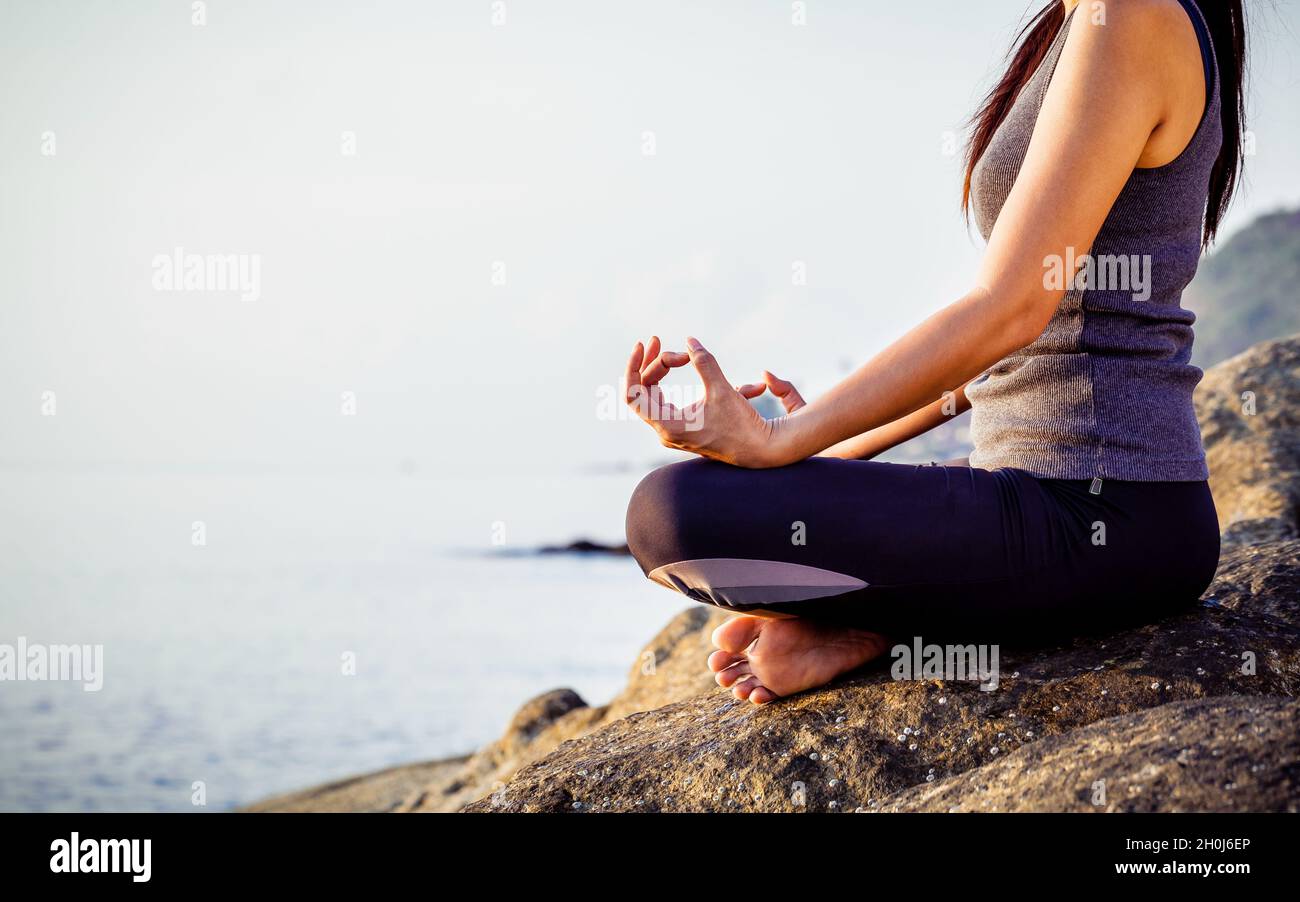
(762, 659)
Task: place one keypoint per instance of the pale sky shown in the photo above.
(481, 149)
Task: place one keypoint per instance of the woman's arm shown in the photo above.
(1108, 95)
(1114, 86)
(882, 438)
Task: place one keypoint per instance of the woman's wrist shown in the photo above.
(790, 440)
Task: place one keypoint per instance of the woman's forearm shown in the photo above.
(946, 350)
(882, 438)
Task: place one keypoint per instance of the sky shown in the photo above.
(464, 214)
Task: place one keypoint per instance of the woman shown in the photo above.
(1114, 138)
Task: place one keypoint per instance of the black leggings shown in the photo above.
(932, 550)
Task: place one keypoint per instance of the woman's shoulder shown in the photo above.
(1131, 13)
(1149, 30)
(1150, 52)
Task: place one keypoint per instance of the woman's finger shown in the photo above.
(707, 366)
(632, 388)
(647, 400)
(651, 352)
(751, 389)
(654, 370)
(789, 395)
(656, 365)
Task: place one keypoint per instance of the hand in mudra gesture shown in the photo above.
(721, 426)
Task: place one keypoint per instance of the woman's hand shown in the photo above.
(722, 426)
(784, 391)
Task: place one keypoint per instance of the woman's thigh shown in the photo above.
(901, 549)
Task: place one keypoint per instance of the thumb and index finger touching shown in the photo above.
(707, 366)
(648, 366)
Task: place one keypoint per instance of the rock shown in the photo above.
(376, 792)
(1264, 579)
(1250, 425)
(1218, 754)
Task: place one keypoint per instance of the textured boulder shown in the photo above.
(376, 792)
(1249, 408)
(1218, 754)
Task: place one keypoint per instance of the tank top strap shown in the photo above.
(1203, 38)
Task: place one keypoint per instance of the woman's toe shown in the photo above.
(738, 633)
(745, 687)
(721, 660)
(761, 695)
(733, 674)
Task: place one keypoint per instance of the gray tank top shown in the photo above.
(1106, 390)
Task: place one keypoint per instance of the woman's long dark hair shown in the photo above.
(1227, 22)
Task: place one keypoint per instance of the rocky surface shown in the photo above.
(382, 791)
(1197, 712)
(1249, 408)
(1218, 754)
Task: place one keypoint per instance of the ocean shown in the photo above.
(265, 631)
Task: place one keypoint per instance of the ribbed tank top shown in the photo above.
(1106, 390)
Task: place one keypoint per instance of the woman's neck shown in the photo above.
(1069, 5)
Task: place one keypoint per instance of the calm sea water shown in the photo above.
(225, 662)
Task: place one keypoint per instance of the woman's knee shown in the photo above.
(659, 511)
